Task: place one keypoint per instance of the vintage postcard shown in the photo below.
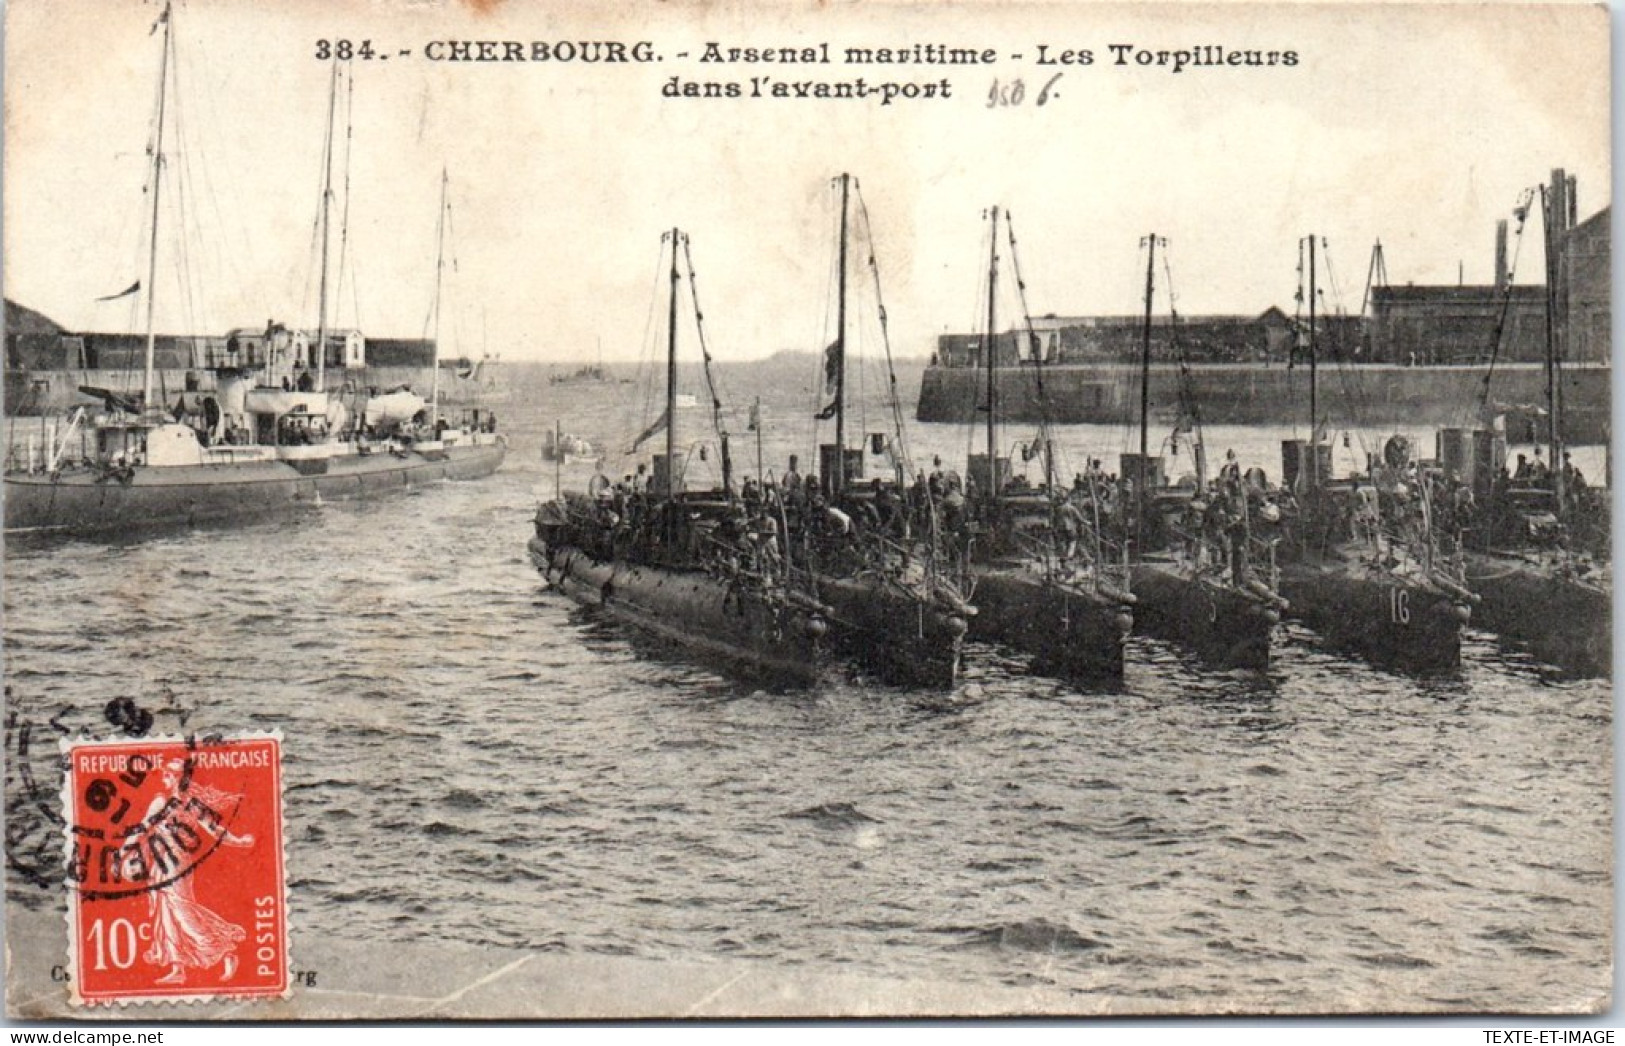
(517, 509)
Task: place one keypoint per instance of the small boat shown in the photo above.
(590, 374)
(563, 447)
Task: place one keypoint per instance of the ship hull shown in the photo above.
(1573, 629)
(1388, 621)
(1220, 623)
(1070, 633)
(87, 501)
(903, 639)
(692, 609)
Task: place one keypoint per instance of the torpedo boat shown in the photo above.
(699, 568)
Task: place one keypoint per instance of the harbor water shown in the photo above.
(472, 758)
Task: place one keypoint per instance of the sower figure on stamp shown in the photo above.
(185, 934)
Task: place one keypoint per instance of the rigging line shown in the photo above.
(933, 514)
(317, 228)
(1130, 378)
(314, 252)
(1046, 442)
(1189, 405)
(459, 316)
(1521, 212)
(432, 316)
(885, 338)
(150, 192)
(858, 357)
(193, 170)
(179, 260)
(859, 362)
(822, 340)
(1354, 392)
(344, 212)
(634, 414)
(194, 250)
(243, 247)
(705, 351)
(1341, 315)
(981, 338)
(323, 330)
(1293, 345)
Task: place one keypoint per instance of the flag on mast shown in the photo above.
(125, 293)
(648, 433)
(832, 367)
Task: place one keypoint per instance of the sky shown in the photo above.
(1416, 125)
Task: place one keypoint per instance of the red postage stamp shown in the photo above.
(175, 873)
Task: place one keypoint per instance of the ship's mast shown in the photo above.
(990, 351)
(1552, 206)
(837, 482)
(439, 276)
(671, 373)
(1314, 382)
(327, 199)
(756, 418)
(152, 247)
(1142, 480)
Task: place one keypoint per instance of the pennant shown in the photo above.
(162, 18)
(125, 293)
(755, 418)
(659, 424)
(832, 367)
(828, 412)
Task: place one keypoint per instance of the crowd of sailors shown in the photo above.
(1400, 508)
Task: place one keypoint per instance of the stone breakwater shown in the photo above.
(1252, 394)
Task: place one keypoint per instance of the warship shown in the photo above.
(1046, 580)
(1539, 535)
(896, 607)
(1361, 563)
(695, 567)
(269, 439)
(1202, 575)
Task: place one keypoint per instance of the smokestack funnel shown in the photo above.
(1501, 255)
(1558, 205)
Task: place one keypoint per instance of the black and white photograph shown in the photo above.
(528, 510)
